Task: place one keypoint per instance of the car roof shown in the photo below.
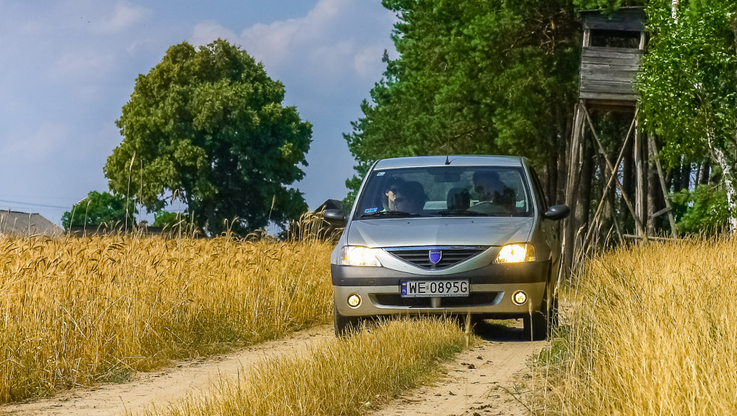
(429, 161)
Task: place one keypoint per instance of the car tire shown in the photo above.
(345, 325)
(538, 325)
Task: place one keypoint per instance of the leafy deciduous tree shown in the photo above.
(97, 209)
(688, 84)
(208, 125)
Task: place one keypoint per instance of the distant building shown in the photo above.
(25, 224)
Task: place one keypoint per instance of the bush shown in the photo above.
(705, 210)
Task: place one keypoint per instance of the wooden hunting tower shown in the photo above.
(613, 46)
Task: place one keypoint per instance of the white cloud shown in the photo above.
(83, 64)
(367, 62)
(122, 17)
(317, 43)
(49, 138)
(207, 32)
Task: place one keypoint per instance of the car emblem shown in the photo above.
(435, 256)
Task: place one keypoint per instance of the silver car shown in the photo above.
(466, 236)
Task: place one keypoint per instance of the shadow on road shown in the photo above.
(500, 331)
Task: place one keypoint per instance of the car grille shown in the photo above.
(420, 257)
(474, 299)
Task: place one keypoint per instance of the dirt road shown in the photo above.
(482, 381)
(477, 381)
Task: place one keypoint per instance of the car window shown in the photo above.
(445, 191)
(538, 186)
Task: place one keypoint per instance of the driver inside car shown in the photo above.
(410, 197)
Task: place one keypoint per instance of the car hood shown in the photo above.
(407, 232)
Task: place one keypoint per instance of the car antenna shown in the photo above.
(447, 161)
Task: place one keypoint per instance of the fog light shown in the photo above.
(354, 300)
(519, 298)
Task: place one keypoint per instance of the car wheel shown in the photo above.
(537, 326)
(345, 325)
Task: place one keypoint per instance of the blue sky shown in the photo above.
(69, 66)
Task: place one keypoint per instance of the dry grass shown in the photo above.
(336, 377)
(77, 311)
(653, 332)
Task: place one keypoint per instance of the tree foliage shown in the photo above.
(689, 77)
(208, 125)
(98, 209)
(703, 211)
(688, 84)
(472, 77)
(169, 219)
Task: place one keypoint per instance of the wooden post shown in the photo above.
(569, 226)
(654, 152)
(638, 223)
(613, 175)
(640, 209)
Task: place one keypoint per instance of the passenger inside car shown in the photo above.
(492, 193)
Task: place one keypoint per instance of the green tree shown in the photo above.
(688, 84)
(97, 209)
(473, 77)
(168, 219)
(702, 211)
(208, 125)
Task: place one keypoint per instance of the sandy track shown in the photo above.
(185, 378)
(477, 381)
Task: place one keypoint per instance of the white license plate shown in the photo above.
(434, 288)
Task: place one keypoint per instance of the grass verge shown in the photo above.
(337, 376)
(653, 331)
(78, 311)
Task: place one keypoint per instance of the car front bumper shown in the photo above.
(490, 291)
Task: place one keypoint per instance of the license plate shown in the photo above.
(434, 288)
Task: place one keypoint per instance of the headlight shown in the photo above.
(358, 256)
(516, 253)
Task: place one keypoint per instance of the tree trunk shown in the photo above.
(628, 180)
(564, 143)
(552, 178)
(705, 172)
(729, 186)
(685, 175)
(653, 190)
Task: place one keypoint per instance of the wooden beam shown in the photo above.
(569, 236)
(639, 213)
(650, 238)
(661, 212)
(638, 222)
(609, 182)
(654, 150)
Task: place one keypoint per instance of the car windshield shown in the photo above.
(454, 191)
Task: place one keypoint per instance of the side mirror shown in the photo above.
(336, 217)
(557, 212)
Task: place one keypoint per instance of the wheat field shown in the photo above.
(78, 311)
(653, 331)
(338, 376)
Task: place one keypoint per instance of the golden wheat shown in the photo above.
(653, 332)
(346, 376)
(76, 311)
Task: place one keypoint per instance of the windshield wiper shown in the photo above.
(391, 214)
(448, 213)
